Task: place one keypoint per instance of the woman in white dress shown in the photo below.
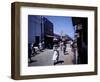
(55, 55)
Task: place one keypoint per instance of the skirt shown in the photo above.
(55, 56)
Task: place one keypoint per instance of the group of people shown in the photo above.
(34, 48)
(62, 45)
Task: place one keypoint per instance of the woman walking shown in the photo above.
(55, 55)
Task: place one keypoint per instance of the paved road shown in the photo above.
(45, 58)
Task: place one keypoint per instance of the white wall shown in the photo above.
(5, 40)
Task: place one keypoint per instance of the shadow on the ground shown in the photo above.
(60, 61)
(33, 61)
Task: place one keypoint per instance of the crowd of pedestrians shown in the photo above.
(61, 46)
(66, 47)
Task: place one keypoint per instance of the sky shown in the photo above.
(62, 25)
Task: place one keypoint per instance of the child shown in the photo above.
(55, 56)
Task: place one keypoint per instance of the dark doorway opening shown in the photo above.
(37, 39)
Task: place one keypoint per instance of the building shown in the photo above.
(34, 29)
(81, 37)
(40, 29)
(48, 33)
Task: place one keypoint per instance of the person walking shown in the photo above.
(64, 48)
(29, 53)
(61, 45)
(33, 49)
(43, 45)
(55, 55)
(40, 46)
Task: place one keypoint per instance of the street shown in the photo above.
(45, 58)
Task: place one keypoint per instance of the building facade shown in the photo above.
(34, 29)
(40, 29)
(81, 37)
(48, 33)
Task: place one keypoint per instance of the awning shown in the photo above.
(49, 36)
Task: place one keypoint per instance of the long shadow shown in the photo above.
(60, 61)
(33, 61)
(36, 53)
